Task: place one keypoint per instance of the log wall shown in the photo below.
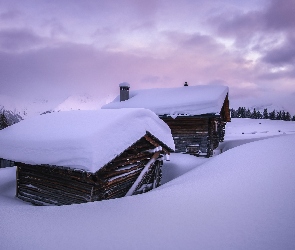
(202, 133)
(188, 131)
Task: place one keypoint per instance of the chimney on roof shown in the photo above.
(124, 91)
(185, 84)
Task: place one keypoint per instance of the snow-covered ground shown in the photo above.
(243, 198)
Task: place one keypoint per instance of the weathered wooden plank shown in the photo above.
(55, 179)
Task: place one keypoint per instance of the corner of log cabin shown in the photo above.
(120, 174)
(225, 111)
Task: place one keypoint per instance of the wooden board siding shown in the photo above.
(189, 131)
(54, 185)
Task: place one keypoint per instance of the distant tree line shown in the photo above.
(242, 112)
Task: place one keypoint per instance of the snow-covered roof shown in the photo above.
(124, 84)
(80, 139)
(190, 100)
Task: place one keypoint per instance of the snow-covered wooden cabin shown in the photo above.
(81, 156)
(196, 115)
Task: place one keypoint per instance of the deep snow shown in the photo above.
(243, 198)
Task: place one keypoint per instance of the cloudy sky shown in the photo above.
(52, 49)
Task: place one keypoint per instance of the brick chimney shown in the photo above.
(124, 91)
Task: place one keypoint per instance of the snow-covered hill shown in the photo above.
(80, 102)
(240, 199)
(20, 109)
(25, 108)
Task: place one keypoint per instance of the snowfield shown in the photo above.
(243, 198)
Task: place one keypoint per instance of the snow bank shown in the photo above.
(244, 130)
(241, 199)
(191, 100)
(179, 164)
(80, 139)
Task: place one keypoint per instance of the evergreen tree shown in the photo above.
(239, 112)
(243, 114)
(254, 114)
(272, 115)
(233, 113)
(248, 113)
(288, 117)
(279, 115)
(265, 114)
(3, 121)
(259, 115)
(284, 115)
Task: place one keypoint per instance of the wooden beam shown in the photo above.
(143, 172)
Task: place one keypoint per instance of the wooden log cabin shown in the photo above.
(196, 115)
(81, 156)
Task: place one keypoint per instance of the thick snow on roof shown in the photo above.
(191, 100)
(80, 139)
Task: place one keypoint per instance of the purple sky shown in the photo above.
(59, 48)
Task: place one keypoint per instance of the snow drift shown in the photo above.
(241, 199)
